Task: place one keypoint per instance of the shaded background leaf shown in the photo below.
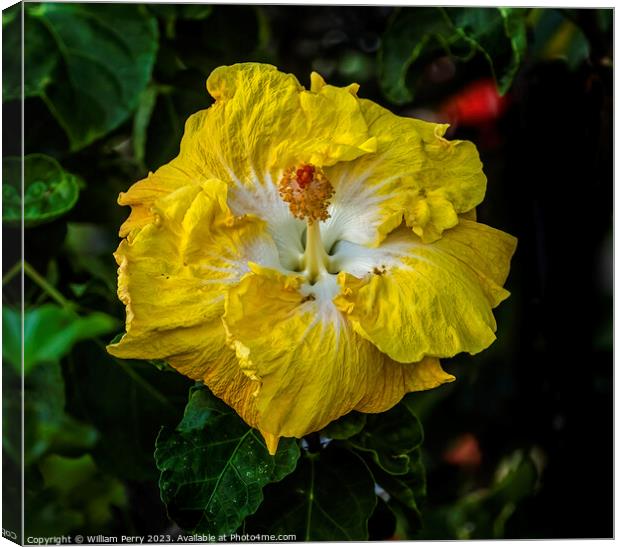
(39, 46)
(415, 34)
(100, 88)
(389, 438)
(305, 503)
(49, 190)
(75, 496)
(50, 332)
(345, 427)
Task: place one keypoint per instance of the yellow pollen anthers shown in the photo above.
(307, 191)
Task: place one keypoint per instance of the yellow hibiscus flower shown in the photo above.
(308, 253)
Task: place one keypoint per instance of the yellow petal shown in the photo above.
(222, 375)
(469, 215)
(166, 343)
(272, 442)
(311, 366)
(174, 272)
(263, 121)
(415, 173)
(397, 379)
(142, 195)
(316, 82)
(334, 113)
(432, 299)
(438, 214)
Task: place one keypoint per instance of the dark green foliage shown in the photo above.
(390, 438)
(416, 35)
(554, 22)
(89, 63)
(330, 496)
(345, 427)
(49, 333)
(407, 491)
(214, 467)
(180, 11)
(39, 45)
(49, 191)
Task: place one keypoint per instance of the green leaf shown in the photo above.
(214, 467)
(49, 190)
(346, 426)
(38, 46)
(406, 492)
(10, 14)
(410, 33)
(89, 248)
(141, 121)
(498, 33)
(171, 12)
(211, 44)
(89, 63)
(12, 53)
(329, 497)
(390, 437)
(417, 35)
(410, 488)
(515, 479)
(12, 338)
(49, 333)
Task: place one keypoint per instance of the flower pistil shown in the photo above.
(307, 191)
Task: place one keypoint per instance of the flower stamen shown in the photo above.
(307, 191)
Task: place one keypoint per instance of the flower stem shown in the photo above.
(46, 287)
(12, 272)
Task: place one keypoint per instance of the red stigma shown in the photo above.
(305, 175)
